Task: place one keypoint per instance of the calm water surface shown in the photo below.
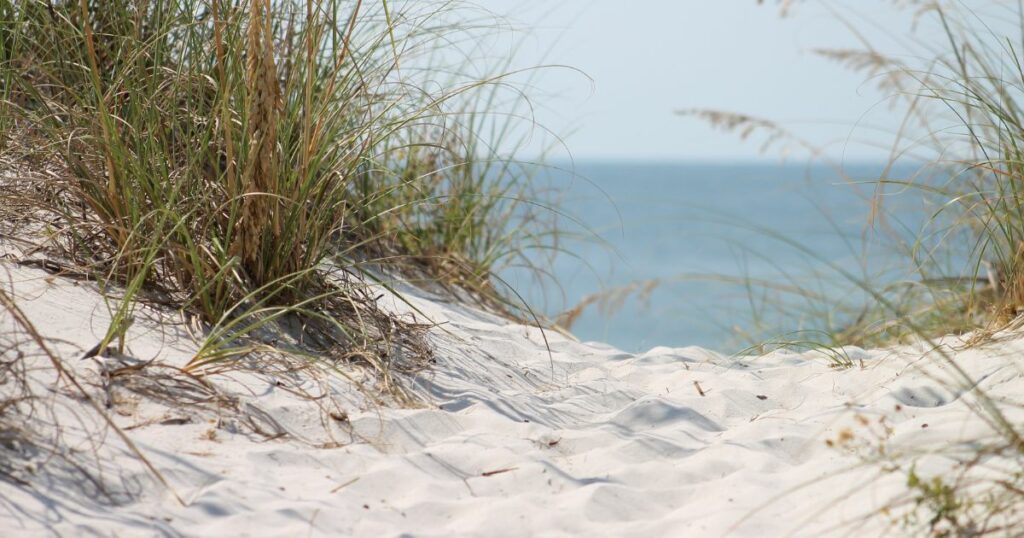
(680, 222)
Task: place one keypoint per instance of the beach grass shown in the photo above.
(218, 155)
(269, 169)
(963, 127)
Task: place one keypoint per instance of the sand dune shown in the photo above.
(515, 440)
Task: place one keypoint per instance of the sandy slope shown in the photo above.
(586, 440)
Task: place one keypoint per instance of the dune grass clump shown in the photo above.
(964, 125)
(219, 152)
(267, 167)
(960, 99)
(975, 85)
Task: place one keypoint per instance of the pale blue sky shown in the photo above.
(648, 58)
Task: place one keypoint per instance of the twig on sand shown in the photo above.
(499, 471)
(345, 485)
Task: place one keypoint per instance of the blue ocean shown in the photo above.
(719, 255)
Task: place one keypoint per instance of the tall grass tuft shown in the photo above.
(962, 97)
(963, 124)
(219, 152)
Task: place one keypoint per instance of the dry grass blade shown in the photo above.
(22, 320)
(746, 126)
(260, 220)
(891, 74)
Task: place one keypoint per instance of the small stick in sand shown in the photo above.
(499, 471)
(699, 390)
(346, 484)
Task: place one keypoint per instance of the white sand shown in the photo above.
(589, 441)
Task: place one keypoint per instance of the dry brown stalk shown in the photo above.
(260, 179)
